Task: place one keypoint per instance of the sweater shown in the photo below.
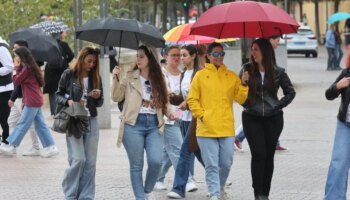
(31, 91)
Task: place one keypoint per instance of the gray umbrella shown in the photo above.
(127, 33)
(42, 46)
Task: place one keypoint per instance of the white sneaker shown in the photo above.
(214, 198)
(191, 186)
(224, 196)
(8, 150)
(32, 152)
(160, 186)
(149, 196)
(50, 151)
(174, 195)
(228, 183)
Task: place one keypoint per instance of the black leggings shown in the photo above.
(262, 135)
(4, 114)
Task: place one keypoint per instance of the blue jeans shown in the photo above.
(331, 58)
(240, 136)
(185, 164)
(144, 135)
(30, 115)
(217, 154)
(171, 151)
(338, 55)
(337, 179)
(79, 177)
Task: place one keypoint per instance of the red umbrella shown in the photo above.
(245, 19)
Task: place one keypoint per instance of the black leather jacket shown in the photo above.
(265, 102)
(332, 93)
(69, 88)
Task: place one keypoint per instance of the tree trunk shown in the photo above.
(165, 16)
(174, 14)
(154, 17)
(300, 9)
(203, 6)
(317, 21)
(336, 9)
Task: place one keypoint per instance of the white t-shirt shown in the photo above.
(85, 93)
(146, 108)
(185, 87)
(173, 83)
(262, 77)
(348, 115)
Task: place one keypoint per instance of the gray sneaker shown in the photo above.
(49, 151)
(32, 152)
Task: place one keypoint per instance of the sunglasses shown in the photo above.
(217, 54)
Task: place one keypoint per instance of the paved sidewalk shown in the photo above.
(299, 173)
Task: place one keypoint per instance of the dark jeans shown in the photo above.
(185, 164)
(53, 103)
(4, 114)
(331, 58)
(262, 135)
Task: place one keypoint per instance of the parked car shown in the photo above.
(302, 42)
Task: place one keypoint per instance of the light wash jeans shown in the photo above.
(30, 115)
(79, 178)
(15, 115)
(171, 150)
(337, 179)
(144, 135)
(217, 155)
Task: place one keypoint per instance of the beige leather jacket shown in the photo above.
(129, 88)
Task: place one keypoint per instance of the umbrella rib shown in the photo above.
(261, 30)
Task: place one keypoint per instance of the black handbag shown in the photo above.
(61, 121)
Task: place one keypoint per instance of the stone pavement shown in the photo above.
(299, 173)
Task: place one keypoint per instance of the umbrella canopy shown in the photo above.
(244, 19)
(338, 17)
(126, 33)
(181, 35)
(50, 27)
(42, 46)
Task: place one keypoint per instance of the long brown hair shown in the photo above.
(79, 65)
(268, 61)
(27, 58)
(159, 89)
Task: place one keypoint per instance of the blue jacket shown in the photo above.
(330, 39)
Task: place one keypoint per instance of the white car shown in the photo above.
(303, 42)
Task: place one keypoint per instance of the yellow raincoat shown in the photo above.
(211, 98)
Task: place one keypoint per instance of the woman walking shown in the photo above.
(172, 131)
(263, 116)
(146, 102)
(82, 83)
(185, 168)
(338, 172)
(29, 76)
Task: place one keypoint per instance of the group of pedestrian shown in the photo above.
(189, 99)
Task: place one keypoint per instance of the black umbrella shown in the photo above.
(42, 46)
(127, 33)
